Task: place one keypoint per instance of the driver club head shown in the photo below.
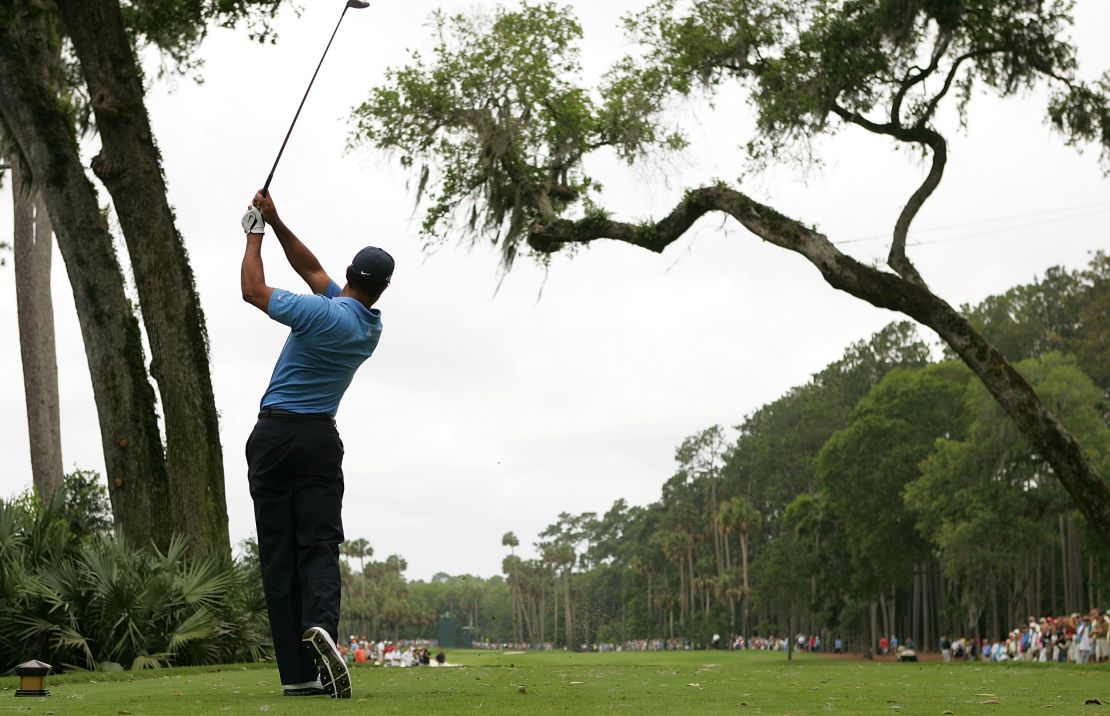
(358, 4)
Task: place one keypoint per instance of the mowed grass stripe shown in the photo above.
(558, 682)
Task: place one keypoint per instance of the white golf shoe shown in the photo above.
(334, 676)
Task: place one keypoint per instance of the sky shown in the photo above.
(495, 402)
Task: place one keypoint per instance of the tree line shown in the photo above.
(889, 494)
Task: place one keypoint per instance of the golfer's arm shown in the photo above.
(252, 276)
(302, 260)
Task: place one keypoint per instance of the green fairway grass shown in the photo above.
(557, 682)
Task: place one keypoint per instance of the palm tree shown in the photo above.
(739, 515)
(565, 558)
(560, 555)
(509, 566)
(358, 549)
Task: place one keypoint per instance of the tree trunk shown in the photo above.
(894, 612)
(1074, 567)
(715, 526)
(681, 592)
(1038, 602)
(543, 610)
(693, 594)
(927, 639)
(130, 166)
(624, 607)
(789, 636)
(1053, 584)
(886, 614)
(915, 607)
(873, 623)
(994, 608)
(1091, 604)
(32, 247)
(568, 626)
(555, 613)
(44, 135)
(1064, 563)
(747, 586)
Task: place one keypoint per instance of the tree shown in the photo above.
(171, 309)
(1063, 311)
(740, 516)
(864, 469)
(46, 141)
(511, 566)
(359, 549)
(32, 247)
(186, 482)
(86, 507)
(499, 117)
(988, 504)
(559, 553)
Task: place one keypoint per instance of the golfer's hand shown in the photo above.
(265, 204)
(252, 222)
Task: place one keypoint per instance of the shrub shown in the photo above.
(86, 599)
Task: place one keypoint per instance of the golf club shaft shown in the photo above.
(266, 186)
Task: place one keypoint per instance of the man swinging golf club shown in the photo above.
(294, 454)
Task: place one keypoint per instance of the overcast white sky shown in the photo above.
(484, 413)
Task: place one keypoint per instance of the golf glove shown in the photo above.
(252, 221)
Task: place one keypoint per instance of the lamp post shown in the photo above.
(32, 679)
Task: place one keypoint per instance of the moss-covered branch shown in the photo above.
(1013, 392)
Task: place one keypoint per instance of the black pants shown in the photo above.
(295, 468)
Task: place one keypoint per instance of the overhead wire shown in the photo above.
(1065, 214)
(1001, 229)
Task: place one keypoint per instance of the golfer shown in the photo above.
(294, 454)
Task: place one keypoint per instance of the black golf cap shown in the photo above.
(374, 264)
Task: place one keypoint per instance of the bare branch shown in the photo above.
(913, 80)
(931, 107)
(927, 137)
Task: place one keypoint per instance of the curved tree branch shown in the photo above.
(927, 137)
(915, 79)
(919, 133)
(879, 288)
(934, 101)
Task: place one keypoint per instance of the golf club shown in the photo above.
(358, 5)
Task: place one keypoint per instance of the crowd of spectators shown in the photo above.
(362, 652)
(1078, 639)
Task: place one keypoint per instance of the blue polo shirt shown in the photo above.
(331, 337)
